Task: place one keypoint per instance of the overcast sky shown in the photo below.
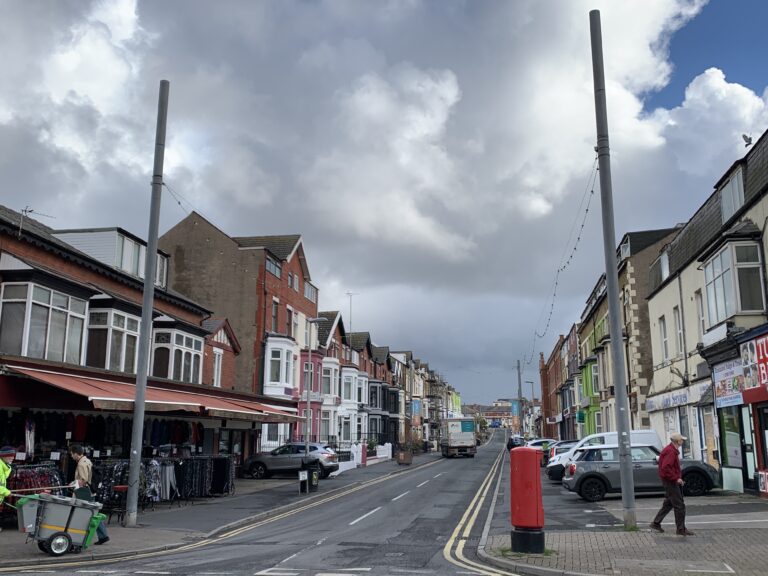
(434, 155)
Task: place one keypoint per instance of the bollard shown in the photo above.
(527, 511)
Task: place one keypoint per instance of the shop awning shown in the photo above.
(114, 395)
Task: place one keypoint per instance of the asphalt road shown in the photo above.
(392, 525)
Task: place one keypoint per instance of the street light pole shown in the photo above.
(530, 401)
(612, 275)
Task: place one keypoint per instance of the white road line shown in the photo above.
(364, 516)
(401, 495)
(292, 556)
(729, 571)
(354, 569)
(722, 521)
(436, 475)
(151, 572)
(97, 571)
(422, 484)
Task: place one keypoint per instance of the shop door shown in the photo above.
(748, 443)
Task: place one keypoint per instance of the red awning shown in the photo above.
(115, 395)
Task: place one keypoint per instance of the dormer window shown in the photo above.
(732, 195)
(664, 265)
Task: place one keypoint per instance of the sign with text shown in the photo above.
(729, 382)
(754, 360)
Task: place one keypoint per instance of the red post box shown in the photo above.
(527, 510)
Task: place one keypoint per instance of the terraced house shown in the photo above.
(712, 276)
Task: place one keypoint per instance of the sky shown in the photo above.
(436, 156)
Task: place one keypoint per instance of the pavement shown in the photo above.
(735, 543)
(582, 538)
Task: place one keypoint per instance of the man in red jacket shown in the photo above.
(671, 477)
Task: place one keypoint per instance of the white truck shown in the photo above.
(458, 437)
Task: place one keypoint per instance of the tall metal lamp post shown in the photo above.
(307, 384)
(530, 403)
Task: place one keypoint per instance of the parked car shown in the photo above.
(555, 468)
(595, 471)
(539, 443)
(292, 457)
(640, 437)
(515, 442)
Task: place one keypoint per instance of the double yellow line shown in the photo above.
(455, 555)
(219, 537)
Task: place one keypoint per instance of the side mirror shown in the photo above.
(656, 459)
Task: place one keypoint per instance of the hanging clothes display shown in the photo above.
(29, 436)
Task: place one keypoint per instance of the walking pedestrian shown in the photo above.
(7, 455)
(672, 478)
(83, 475)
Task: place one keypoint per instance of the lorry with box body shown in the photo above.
(458, 437)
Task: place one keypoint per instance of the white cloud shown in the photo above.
(706, 128)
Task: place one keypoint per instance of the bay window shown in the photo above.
(40, 322)
(178, 356)
(734, 282)
(112, 340)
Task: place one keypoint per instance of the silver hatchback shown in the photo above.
(594, 472)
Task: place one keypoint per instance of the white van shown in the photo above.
(556, 466)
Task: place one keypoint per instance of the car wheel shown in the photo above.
(592, 490)
(324, 473)
(259, 470)
(695, 484)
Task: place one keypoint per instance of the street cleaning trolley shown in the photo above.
(58, 524)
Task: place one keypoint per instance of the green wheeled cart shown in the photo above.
(58, 524)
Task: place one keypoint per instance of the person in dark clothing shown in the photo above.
(671, 477)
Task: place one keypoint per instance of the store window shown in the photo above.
(730, 436)
(113, 339)
(177, 355)
(53, 320)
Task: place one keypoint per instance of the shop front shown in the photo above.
(741, 398)
(196, 438)
(687, 412)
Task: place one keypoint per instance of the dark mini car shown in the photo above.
(515, 442)
(595, 471)
(290, 458)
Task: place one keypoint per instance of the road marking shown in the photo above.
(401, 495)
(289, 558)
(365, 516)
(97, 571)
(722, 521)
(729, 571)
(342, 492)
(436, 475)
(354, 569)
(422, 484)
(151, 572)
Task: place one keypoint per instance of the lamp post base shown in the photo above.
(527, 541)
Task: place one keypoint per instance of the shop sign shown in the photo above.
(675, 398)
(729, 382)
(754, 360)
